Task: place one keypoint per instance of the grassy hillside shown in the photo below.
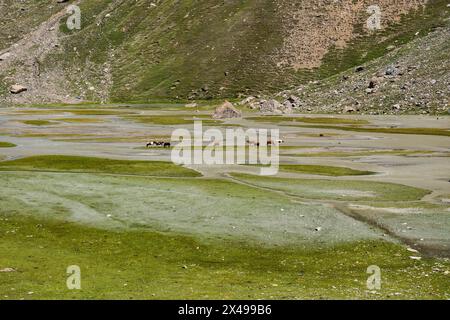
(197, 49)
(139, 51)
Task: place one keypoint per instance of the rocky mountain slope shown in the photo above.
(411, 78)
(136, 51)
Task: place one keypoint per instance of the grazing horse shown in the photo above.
(275, 143)
(254, 143)
(156, 144)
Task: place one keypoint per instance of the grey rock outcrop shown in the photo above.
(17, 88)
(227, 111)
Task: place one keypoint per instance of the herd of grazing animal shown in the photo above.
(158, 144)
(269, 143)
(251, 143)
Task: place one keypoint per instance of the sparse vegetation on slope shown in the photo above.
(409, 75)
(137, 51)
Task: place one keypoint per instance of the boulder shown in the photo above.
(255, 105)
(246, 101)
(227, 111)
(16, 89)
(295, 101)
(268, 106)
(273, 106)
(392, 71)
(349, 110)
(396, 107)
(5, 56)
(287, 105)
(390, 48)
(374, 82)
